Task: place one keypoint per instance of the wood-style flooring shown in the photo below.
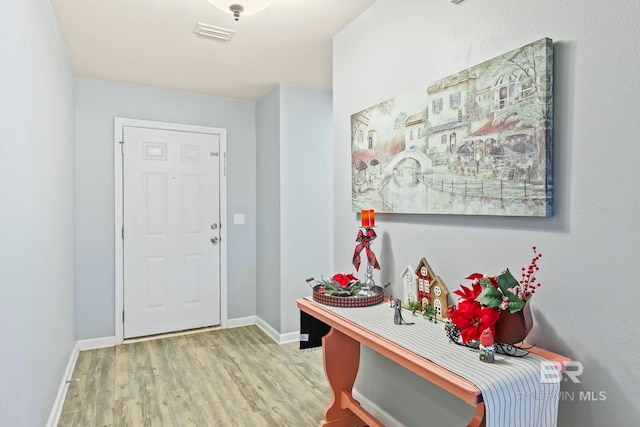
(234, 377)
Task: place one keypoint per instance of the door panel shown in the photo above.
(171, 199)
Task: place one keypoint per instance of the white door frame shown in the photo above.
(120, 123)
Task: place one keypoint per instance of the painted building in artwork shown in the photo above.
(448, 118)
(359, 129)
(361, 144)
(511, 133)
(415, 136)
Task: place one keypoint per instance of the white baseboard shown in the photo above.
(268, 329)
(275, 335)
(241, 321)
(95, 343)
(56, 410)
(384, 417)
(290, 337)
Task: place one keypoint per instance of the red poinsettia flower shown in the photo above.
(344, 279)
(471, 318)
(476, 277)
(494, 281)
(470, 294)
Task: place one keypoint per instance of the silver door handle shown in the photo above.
(214, 240)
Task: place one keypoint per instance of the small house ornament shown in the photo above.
(409, 285)
(432, 290)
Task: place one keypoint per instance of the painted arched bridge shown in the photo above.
(418, 156)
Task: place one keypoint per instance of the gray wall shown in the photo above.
(586, 308)
(294, 199)
(36, 212)
(268, 206)
(97, 103)
(306, 194)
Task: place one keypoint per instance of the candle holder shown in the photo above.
(369, 283)
(366, 234)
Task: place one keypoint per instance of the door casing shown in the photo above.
(120, 123)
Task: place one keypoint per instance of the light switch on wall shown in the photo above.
(238, 218)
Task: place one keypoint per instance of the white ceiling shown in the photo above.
(152, 43)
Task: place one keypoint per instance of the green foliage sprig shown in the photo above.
(334, 288)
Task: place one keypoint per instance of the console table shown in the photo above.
(341, 358)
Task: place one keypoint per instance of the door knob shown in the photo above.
(214, 240)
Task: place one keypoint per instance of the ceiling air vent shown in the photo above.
(213, 32)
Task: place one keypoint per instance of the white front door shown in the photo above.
(171, 230)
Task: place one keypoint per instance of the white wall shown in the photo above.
(586, 308)
(36, 212)
(294, 199)
(97, 103)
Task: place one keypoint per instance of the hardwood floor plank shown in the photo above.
(127, 412)
(227, 378)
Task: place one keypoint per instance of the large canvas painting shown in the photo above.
(478, 142)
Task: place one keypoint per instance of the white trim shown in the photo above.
(380, 414)
(290, 337)
(241, 321)
(171, 334)
(95, 343)
(120, 123)
(56, 409)
(268, 329)
(275, 335)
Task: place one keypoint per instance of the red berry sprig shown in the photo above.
(528, 282)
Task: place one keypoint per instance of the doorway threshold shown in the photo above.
(171, 334)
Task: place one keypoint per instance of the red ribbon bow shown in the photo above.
(364, 240)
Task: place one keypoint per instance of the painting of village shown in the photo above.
(478, 142)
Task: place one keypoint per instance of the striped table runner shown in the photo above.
(512, 389)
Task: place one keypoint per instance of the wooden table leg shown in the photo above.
(478, 419)
(341, 358)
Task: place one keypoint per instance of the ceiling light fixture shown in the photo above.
(246, 7)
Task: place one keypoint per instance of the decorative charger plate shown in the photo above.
(354, 301)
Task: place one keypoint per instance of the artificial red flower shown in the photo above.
(476, 277)
(470, 294)
(344, 279)
(471, 318)
(494, 281)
